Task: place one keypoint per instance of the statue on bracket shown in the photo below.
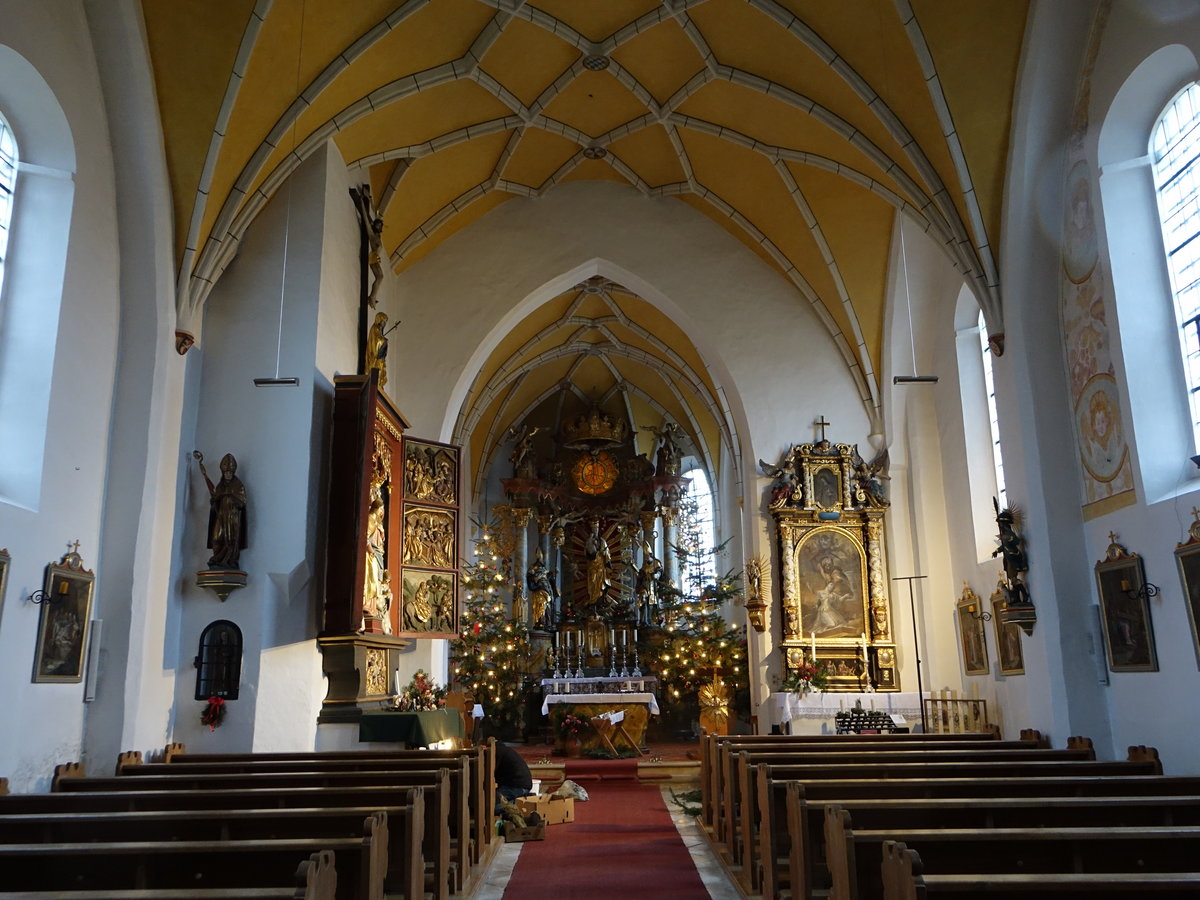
(543, 592)
(227, 516)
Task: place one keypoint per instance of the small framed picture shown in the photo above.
(5, 560)
(970, 629)
(63, 628)
(1125, 611)
(1008, 636)
(1187, 557)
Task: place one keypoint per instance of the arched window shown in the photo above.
(1175, 150)
(8, 183)
(697, 534)
(219, 661)
(989, 383)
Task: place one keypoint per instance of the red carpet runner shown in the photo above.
(622, 844)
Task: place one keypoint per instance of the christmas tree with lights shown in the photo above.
(488, 657)
(696, 645)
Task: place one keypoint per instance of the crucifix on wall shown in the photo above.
(822, 424)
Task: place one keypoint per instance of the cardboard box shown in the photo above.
(513, 834)
(552, 811)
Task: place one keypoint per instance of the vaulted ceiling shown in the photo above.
(800, 126)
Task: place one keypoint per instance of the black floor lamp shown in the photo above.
(912, 602)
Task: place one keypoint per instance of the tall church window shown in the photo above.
(989, 382)
(697, 535)
(1175, 150)
(8, 183)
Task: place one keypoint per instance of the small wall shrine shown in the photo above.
(828, 505)
(392, 556)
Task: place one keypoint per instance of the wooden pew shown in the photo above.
(791, 841)
(740, 799)
(405, 825)
(315, 879)
(481, 761)
(783, 829)
(855, 856)
(447, 813)
(720, 780)
(904, 878)
(710, 744)
(119, 865)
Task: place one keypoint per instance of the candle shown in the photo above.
(812, 651)
(635, 635)
(556, 640)
(864, 643)
(612, 637)
(396, 679)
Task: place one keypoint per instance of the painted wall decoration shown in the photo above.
(1085, 285)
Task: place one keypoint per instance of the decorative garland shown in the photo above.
(213, 713)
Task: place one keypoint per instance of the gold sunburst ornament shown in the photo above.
(714, 706)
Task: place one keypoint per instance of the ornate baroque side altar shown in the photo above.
(828, 505)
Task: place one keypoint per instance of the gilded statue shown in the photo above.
(227, 513)
(542, 592)
(598, 557)
(377, 345)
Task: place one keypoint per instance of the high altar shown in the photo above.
(828, 505)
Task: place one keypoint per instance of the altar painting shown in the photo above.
(832, 570)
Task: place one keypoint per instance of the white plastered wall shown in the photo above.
(70, 497)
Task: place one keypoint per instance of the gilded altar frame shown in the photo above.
(828, 508)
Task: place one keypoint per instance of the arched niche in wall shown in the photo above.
(219, 661)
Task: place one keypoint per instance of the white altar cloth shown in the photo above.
(814, 712)
(648, 700)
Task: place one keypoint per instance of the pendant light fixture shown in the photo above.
(912, 341)
(276, 380)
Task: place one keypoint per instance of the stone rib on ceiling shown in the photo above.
(836, 124)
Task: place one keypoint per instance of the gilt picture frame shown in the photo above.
(66, 611)
(5, 561)
(1187, 558)
(1125, 612)
(971, 634)
(1009, 650)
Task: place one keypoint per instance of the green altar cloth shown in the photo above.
(412, 729)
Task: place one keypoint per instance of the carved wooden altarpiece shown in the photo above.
(828, 506)
(392, 552)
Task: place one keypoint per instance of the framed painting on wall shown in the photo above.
(5, 560)
(831, 568)
(970, 631)
(1008, 637)
(1125, 611)
(1187, 557)
(66, 602)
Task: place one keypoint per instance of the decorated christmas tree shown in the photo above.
(697, 645)
(488, 657)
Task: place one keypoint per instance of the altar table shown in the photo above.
(412, 729)
(813, 713)
(638, 707)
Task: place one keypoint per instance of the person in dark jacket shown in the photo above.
(513, 779)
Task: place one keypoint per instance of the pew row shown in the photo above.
(903, 877)
(315, 879)
(480, 762)
(405, 824)
(855, 856)
(190, 865)
(446, 815)
(710, 744)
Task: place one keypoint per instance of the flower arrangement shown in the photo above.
(421, 694)
(571, 725)
(213, 713)
(806, 677)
